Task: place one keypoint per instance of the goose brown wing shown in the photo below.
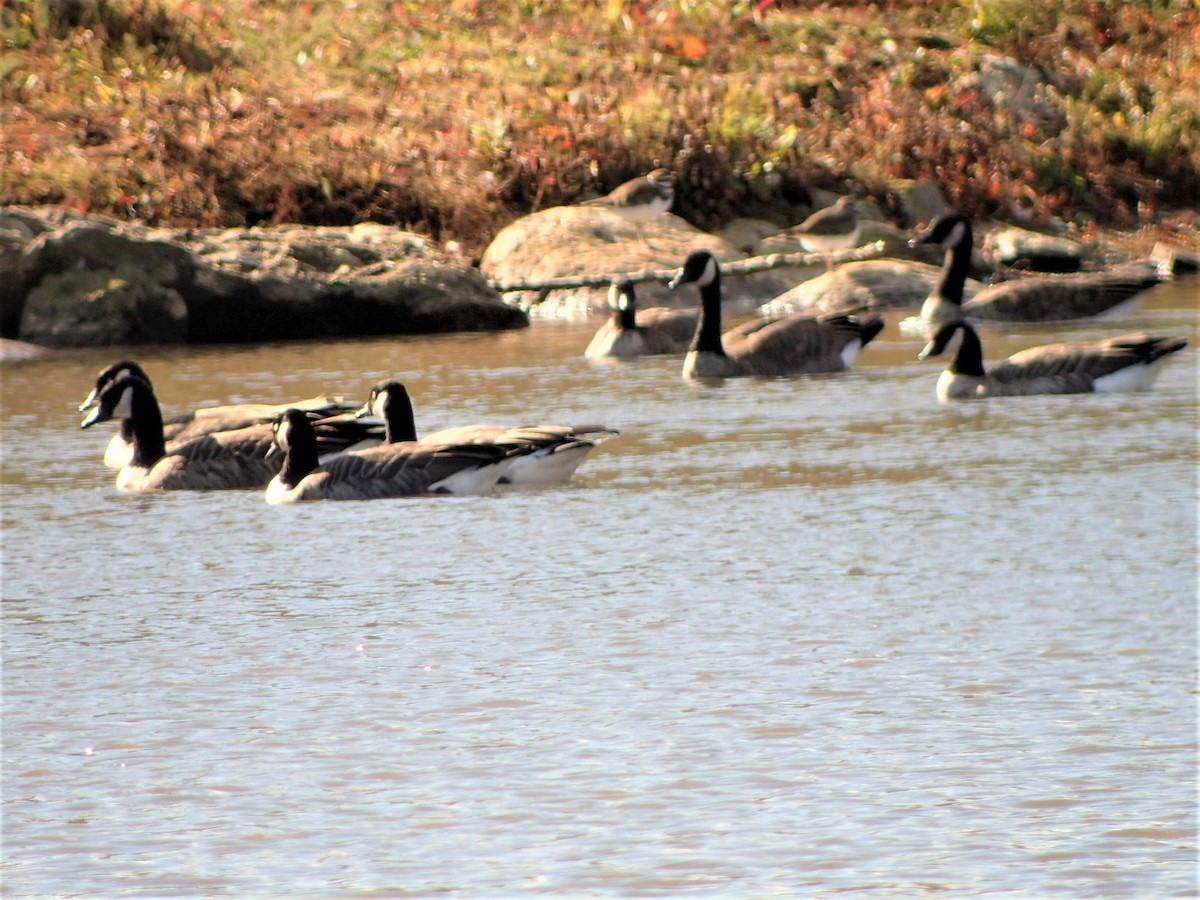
(1076, 363)
(535, 435)
(792, 345)
(228, 460)
(667, 330)
(399, 470)
(207, 420)
(1052, 299)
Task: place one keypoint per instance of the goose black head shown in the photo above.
(384, 395)
(700, 267)
(621, 295)
(109, 374)
(290, 425)
(949, 230)
(945, 340)
(115, 399)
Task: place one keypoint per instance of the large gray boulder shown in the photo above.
(593, 244)
(90, 281)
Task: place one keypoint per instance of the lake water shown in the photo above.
(794, 637)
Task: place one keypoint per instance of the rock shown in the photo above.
(84, 281)
(1020, 248)
(19, 228)
(745, 234)
(103, 307)
(870, 285)
(19, 352)
(587, 241)
(1175, 260)
(305, 281)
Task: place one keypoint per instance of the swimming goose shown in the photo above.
(1130, 362)
(830, 229)
(389, 470)
(226, 460)
(1027, 299)
(630, 332)
(204, 420)
(790, 345)
(549, 454)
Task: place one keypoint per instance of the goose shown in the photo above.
(551, 453)
(196, 423)
(789, 345)
(226, 460)
(830, 229)
(403, 469)
(630, 332)
(1044, 298)
(1130, 362)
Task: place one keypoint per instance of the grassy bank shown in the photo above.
(455, 116)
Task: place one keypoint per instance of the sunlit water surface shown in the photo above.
(794, 637)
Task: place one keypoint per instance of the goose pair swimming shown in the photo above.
(1049, 298)
(787, 345)
(199, 422)
(1130, 362)
(468, 460)
(228, 459)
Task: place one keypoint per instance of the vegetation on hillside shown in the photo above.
(455, 116)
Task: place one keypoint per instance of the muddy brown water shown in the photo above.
(788, 637)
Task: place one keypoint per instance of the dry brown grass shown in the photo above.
(455, 117)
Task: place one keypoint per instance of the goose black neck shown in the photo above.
(145, 425)
(301, 457)
(969, 358)
(399, 423)
(625, 318)
(957, 265)
(708, 326)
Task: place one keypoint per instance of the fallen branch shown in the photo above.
(748, 266)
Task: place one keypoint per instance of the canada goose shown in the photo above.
(630, 332)
(790, 345)
(389, 470)
(224, 460)
(640, 200)
(549, 454)
(1130, 362)
(830, 229)
(1046, 298)
(204, 420)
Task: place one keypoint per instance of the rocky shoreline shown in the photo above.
(75, 280)
(72, 280)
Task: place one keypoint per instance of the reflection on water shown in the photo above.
(782, 637)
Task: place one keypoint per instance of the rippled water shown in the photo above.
(789, 637)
